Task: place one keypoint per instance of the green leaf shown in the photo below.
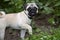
(48, 10)
(6, 0)
(51, 21)
(57, 4)
(27, 1)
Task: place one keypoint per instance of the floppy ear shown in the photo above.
(24, 6)
(38, 5)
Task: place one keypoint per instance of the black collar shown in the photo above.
(30, 17)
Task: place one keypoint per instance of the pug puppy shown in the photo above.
(21, 20)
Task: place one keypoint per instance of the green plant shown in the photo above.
(40, 35)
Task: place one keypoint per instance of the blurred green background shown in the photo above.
(47, 8)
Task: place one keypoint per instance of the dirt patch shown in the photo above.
(42, 19)
(11, 34)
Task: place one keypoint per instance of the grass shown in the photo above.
(38, 34)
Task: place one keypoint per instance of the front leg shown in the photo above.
(28, 27)
(23, 34)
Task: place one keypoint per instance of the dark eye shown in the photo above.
(29, 9)
(35, 8)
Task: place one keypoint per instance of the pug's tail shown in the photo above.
(2, 14)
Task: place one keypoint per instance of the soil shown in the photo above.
(12, 34)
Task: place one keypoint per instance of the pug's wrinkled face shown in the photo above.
(32, 9)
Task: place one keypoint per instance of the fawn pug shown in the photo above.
(20, 20)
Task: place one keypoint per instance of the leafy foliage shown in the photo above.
(40, 35)
(11, 5)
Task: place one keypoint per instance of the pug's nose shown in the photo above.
(33, 14)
